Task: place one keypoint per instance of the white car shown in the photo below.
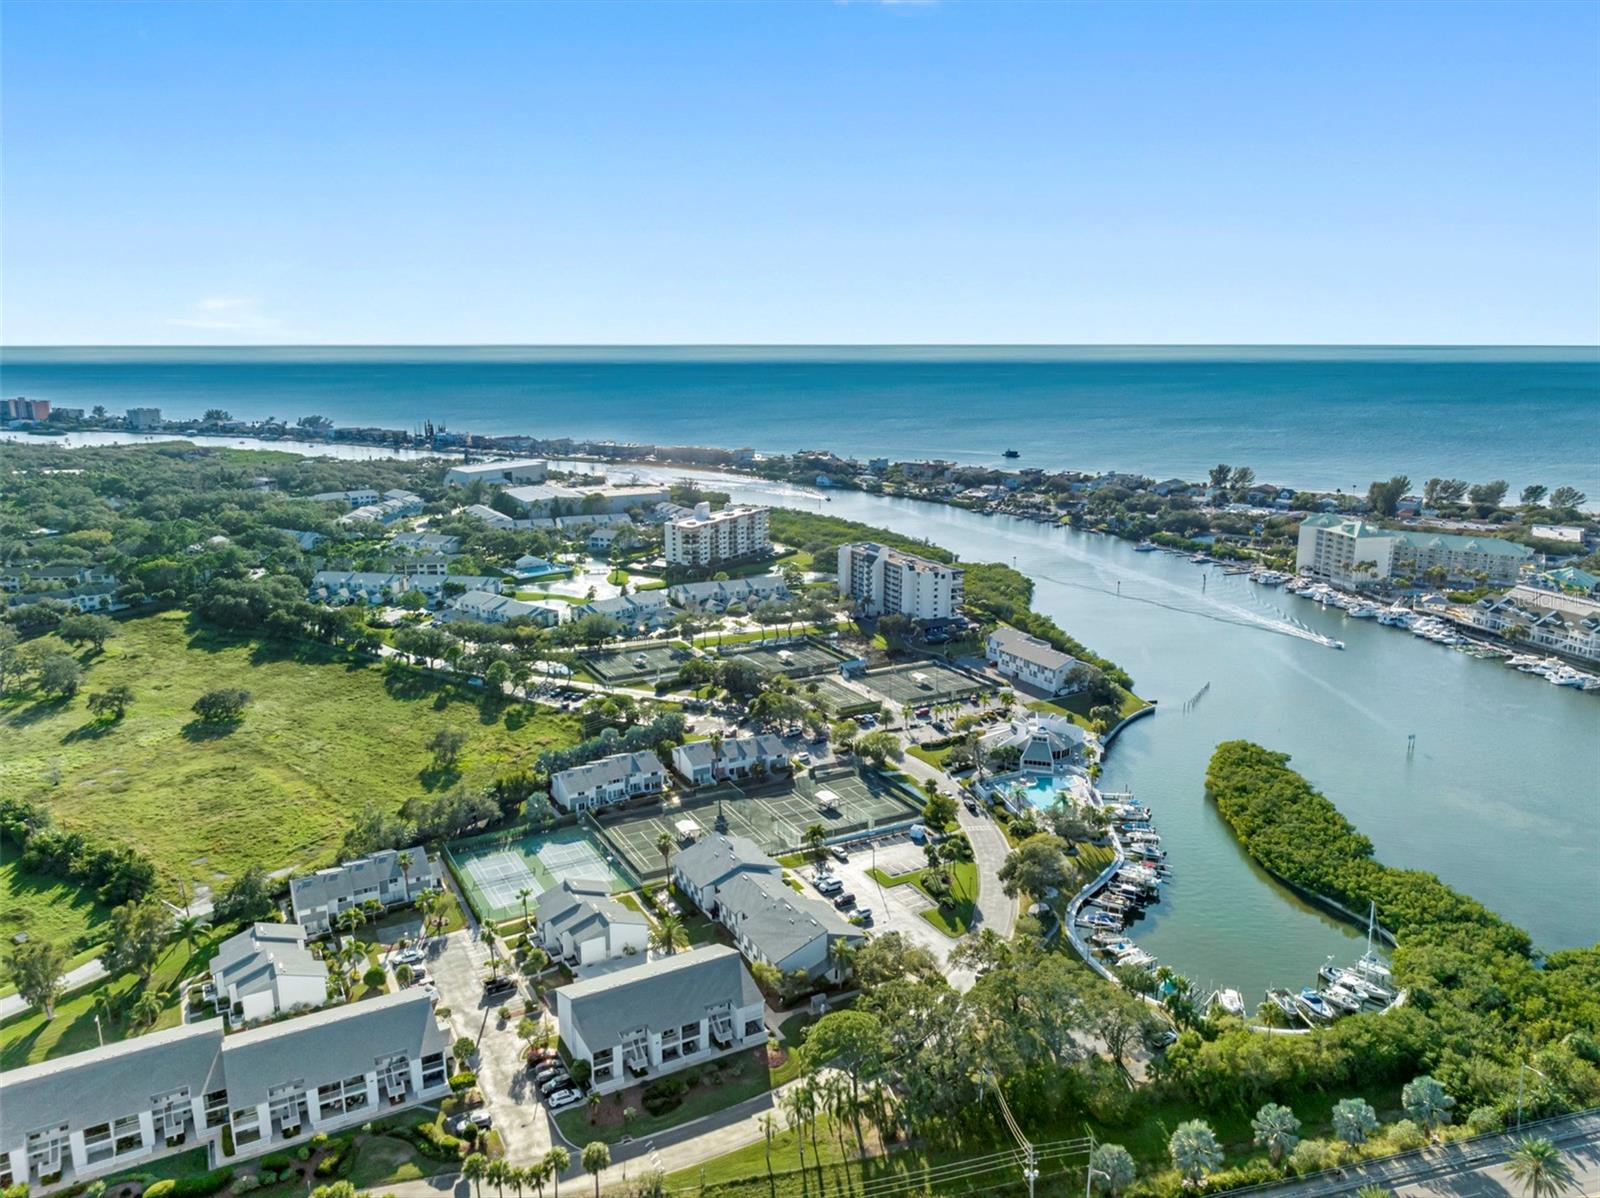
(563, 1098)
(409, 956)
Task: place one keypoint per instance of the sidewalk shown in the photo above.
(74, 979)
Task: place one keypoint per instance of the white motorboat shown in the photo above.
(1364, 611)
(1312, 1003)
(1231, 1001)
(1137, 959)
(1345, 1000)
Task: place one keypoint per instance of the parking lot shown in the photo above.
(894, 908)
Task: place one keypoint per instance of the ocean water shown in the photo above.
(1318, 417)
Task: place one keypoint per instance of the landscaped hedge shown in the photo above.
(431, 1140)
(199, 1186)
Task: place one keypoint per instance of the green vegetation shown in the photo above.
(47, 907)
(954, 908)
(680, 1097)
(280, 790)
(1479, 1006)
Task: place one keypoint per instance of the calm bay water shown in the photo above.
(1318, 417)
(1501, 797)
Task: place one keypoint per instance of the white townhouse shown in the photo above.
(705, 537)
(717, 597)
(264, 971)
(581, 924)
(96, 597)
(1352, 552)
(641, 610)
(348, 586)
(1029, 660)
(498, 473)
(555, 499)
(487, 515)
(66, 1121)
(883, 581)
(1541, 619)
(734, 882)
(395, 505)
(660, 1016)
(360, 497)
(389, 876)
(425, 543)
(501, 609)
(614, 779)
(703, 762)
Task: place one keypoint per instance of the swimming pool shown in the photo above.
(1037, 790)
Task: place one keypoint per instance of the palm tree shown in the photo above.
(1425, 1101)
(664, 844)
(1354, 1120)
(1537, 1165)
(496, 1175)
(1111, 1168)
(596, 1159)
(189, 929)
(104, 1007)
(1194, 1150)
(669, 934)
(1277, 1130)
(494, 957)
(148, 1007)
(558, 1160)
(474, 1169)
(769, 1129)
(842, 956)
(516, 1179)
(793, 1105)
(524, 895)
(593, 1103)
(816, 842)
(1374, 1191)
(537, 1176)
(349, 920)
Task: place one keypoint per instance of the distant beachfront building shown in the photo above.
(503, 473)
(883, 581)
(706, 537)
(139, 419)
(1543, 619)
(1352, 552)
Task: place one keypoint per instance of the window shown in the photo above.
(216, 1108)
(752, 1027)
(246, 1125)
(97, 1144)
(127, 1135)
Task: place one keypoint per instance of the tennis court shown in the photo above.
(635, 663)
(843, 800)
(495, 870)
(920, 683)
(838, 698)
(797, 659)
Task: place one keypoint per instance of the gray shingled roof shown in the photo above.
(615, 768)
(581, 902)
(336, 1043)
(765, 911)
(93, 1087)
(249, 961)
(667, 992)
(342, 881)
(1030, 648)
(736, 750)
(711, 860)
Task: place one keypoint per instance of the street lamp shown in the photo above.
(1522, 1073)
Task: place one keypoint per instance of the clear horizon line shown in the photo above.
(810, 345)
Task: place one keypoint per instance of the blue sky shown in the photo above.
(811, 172)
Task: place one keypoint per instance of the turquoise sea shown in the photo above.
(1320, 417)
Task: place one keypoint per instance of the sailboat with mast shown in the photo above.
(1371, 965)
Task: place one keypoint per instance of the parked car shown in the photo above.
(562, 1098)
(549, 1071)
(971, 805)
(838, 853)
(419, 976)
(862, 915)
(803, 758)
(482, 1120)
(555, 1085)
(409, 956)
(828, 884)
(498, 985)
(538, 1058)
(844, 900)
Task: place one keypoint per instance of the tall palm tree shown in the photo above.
(189, 929)
(596, 1159)
(664, 846)
(104, 1007)
(669, 934)
(497, 1174)
(516, 1178)
(1425, 1101)
(1538, 1166)
(148, 1006)
(593, 1103)
(1194, 1150)
(1354, 1120)
(793, 1105)
(524, 895)
(842, 956)
(1277, 1130)
(474, 1169)
(537, 1175)
(558, 1160)
(769, 1130)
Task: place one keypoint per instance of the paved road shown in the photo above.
(1472, 1169)
(89, 971)
(989, 851)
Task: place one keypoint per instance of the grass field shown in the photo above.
(323, 735)
(1076, 707)
(46, 908)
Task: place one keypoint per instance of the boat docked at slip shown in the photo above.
(1094, 917)
(1338, 975)
(1342, 999)
(1146, 547)
(1137, 959)
(1285, 1002)
(1315, 1005)
(1395, 616)
(1269, 578)
(1363, 611)
(1230, 1001)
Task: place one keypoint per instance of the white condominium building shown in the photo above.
(1351, 551)
(707, 537)
(885, 581)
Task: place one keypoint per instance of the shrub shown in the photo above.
(277, 1161)
(160, 1189)
(1312, 1156)
(245, 1184)
(662, 1096)
(1485, 1119)
(1405, 1135)
(432, 1140)
(463, 1081)
(303, 1153)
(266, 1177)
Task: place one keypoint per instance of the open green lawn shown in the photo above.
(29, 1037)
(324, 733)
(1076, 707)
(47, 908)
(384, 1160)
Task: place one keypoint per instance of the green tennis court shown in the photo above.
(494, 871)
(635, 663)
(919, 683)
(797, 659)
(834, 695)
